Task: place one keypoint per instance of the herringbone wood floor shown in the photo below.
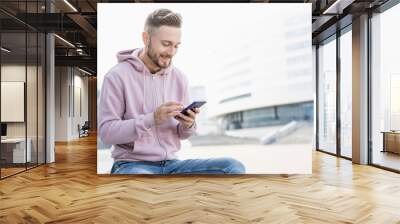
(70, 191)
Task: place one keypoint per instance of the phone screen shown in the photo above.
(195, 104)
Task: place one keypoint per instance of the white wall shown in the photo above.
(79, 117)
(61, 103)
(69, 82)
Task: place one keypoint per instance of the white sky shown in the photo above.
(207, 28)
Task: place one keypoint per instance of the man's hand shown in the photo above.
(188, 121)
(165, 111)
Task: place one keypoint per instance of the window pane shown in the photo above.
(41, 98)
(327, 96)
(346, 94)
(31, 100)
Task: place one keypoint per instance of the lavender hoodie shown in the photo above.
(129, 96)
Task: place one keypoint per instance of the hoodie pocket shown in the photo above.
(143, 145)
(170, 139)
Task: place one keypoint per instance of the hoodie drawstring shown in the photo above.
(163, 91)
(144, 89)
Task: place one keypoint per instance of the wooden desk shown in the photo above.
(391, 141)
(13, 150)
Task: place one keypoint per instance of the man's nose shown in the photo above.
(171, 52)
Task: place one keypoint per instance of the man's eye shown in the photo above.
(166, 44)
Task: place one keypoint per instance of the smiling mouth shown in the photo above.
(165, 57)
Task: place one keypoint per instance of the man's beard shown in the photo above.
(153, 57)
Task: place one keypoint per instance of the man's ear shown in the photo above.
(145, 38)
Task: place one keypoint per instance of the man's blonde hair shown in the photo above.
(162, 17)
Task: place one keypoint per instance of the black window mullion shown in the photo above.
(37, 90)
(338, 99)
(45, 87)
(369, 88)
(26, 87)
(317, 97)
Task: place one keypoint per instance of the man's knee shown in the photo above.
(128, 168)
(234, 166)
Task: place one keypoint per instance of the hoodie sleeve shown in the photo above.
(112, 128)
(185, 133)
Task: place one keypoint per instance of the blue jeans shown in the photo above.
(189, 166)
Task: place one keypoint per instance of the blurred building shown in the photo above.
(254, 87)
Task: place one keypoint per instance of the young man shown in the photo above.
(140, 104)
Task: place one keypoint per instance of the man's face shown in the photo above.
(163, 45)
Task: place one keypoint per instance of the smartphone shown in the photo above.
(195, 104)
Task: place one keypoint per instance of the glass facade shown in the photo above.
(335, 77)
(335, 73)
(269, 116)
(22, 79)
(385, 89)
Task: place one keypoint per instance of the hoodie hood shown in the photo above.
(132, 57)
